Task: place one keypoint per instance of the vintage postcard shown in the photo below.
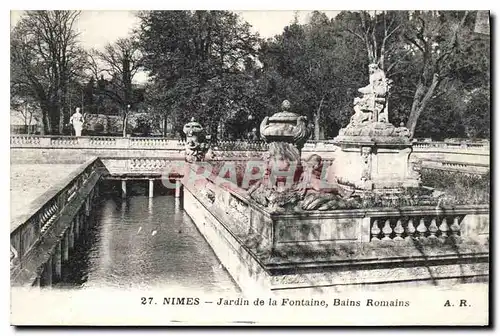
(222, 167)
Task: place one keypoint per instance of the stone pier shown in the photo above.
(46, 278)
(124, 188)
(57, 262)
(151, 187)
(65, 246)
(178, 188)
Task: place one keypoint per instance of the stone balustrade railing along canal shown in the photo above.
(43, 236)
(48, 141)
(464, 156)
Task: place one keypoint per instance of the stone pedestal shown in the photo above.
(369, 163)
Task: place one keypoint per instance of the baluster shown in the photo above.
(444, 228)
(375, 231)
(387, 230)
(433, 228)
(421, 228)
(399, 230)
(455, 227)
(410, 229)
(43, 217)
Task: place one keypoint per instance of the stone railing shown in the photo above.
(155, 143)
(29, 228)
(103, 141)
(239, 146)
(414, 227)
(458, 166)
(384, 224)
(463, 145)
(371, 225)
(47, 149)
(40, 141)
(22, 140)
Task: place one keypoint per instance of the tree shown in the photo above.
(423, 52)
(317, 67)
(120, 61)
(377, 31)
(25, 106)
(45, 58)
(196, 60)
(435, 37)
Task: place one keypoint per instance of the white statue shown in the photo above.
(375, 93)
(77, 121)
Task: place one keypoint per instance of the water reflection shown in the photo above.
(147, 242)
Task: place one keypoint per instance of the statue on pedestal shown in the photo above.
(77, 121)
(371, 116)
(373, 152)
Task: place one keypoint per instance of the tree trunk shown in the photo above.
(421, 99)
(125, 120)
(164, 126)
(317, 117)
(61, 119)
(53, 116)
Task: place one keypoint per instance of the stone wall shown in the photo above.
(334, 251)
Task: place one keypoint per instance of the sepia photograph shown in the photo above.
(237, 167)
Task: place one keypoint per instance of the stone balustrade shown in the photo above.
(420, 227)
(463, 145)
(103, 141)
(36, 225)
(39, 149)
(148, 164)
(49, 141)
(423, 223)
(226, 145)
(458, 166)
(22, 140)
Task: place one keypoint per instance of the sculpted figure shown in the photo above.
(375, 94)
(366, 159)
(362, 112)
(77, 121)
(196, 146)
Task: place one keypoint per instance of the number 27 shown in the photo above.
(145, 300)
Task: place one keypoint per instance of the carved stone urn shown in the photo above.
(285, 132)
(196, 146)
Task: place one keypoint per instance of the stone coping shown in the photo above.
(342, 255)
(40, 201)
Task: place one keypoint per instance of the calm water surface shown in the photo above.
(146, 243)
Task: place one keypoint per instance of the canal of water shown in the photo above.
(145, 242)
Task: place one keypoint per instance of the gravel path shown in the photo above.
(29, 181)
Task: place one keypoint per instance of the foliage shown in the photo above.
(200, 62)
(460, 188)
(317, 68)
(120, 62)
(211, 66)
(46, 61)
